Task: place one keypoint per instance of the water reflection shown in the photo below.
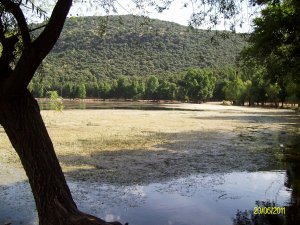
(195, 200)
(251, 218)
(75, 104)
(293, 182)
(291, 213)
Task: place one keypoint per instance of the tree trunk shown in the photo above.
(21, 119)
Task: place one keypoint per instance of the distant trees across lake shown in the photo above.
(195, 85)
(152, 61)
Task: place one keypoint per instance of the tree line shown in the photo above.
(239, 85)
(194, 85)
(272, 56)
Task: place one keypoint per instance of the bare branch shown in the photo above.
(37, 28)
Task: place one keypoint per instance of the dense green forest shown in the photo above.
(102, 52)
(95, 48)
(130, 57)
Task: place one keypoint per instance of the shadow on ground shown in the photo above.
(279, 117)
(185, 153)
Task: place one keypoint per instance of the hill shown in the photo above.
(133, 46)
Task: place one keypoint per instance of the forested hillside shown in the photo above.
(133, 46)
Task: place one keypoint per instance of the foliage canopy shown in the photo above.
(275, 44)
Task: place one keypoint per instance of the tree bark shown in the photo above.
(21, 119)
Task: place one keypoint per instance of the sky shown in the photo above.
(176, 13)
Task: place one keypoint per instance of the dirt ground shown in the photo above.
(138, 147)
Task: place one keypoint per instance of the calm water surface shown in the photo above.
(195, 200)
(79, 104)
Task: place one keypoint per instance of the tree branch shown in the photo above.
(2, 35)
(37, 28)
(50, 34)
(32, 57)
(15, 9)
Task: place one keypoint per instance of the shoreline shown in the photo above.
(123, 101)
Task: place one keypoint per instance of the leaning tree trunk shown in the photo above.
(21, 119)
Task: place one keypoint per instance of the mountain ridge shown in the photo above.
(96, 48)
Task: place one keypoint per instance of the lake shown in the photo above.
(195, 200)
(98, 104)
(190, 164)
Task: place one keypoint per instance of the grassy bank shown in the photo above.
(134, 146)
